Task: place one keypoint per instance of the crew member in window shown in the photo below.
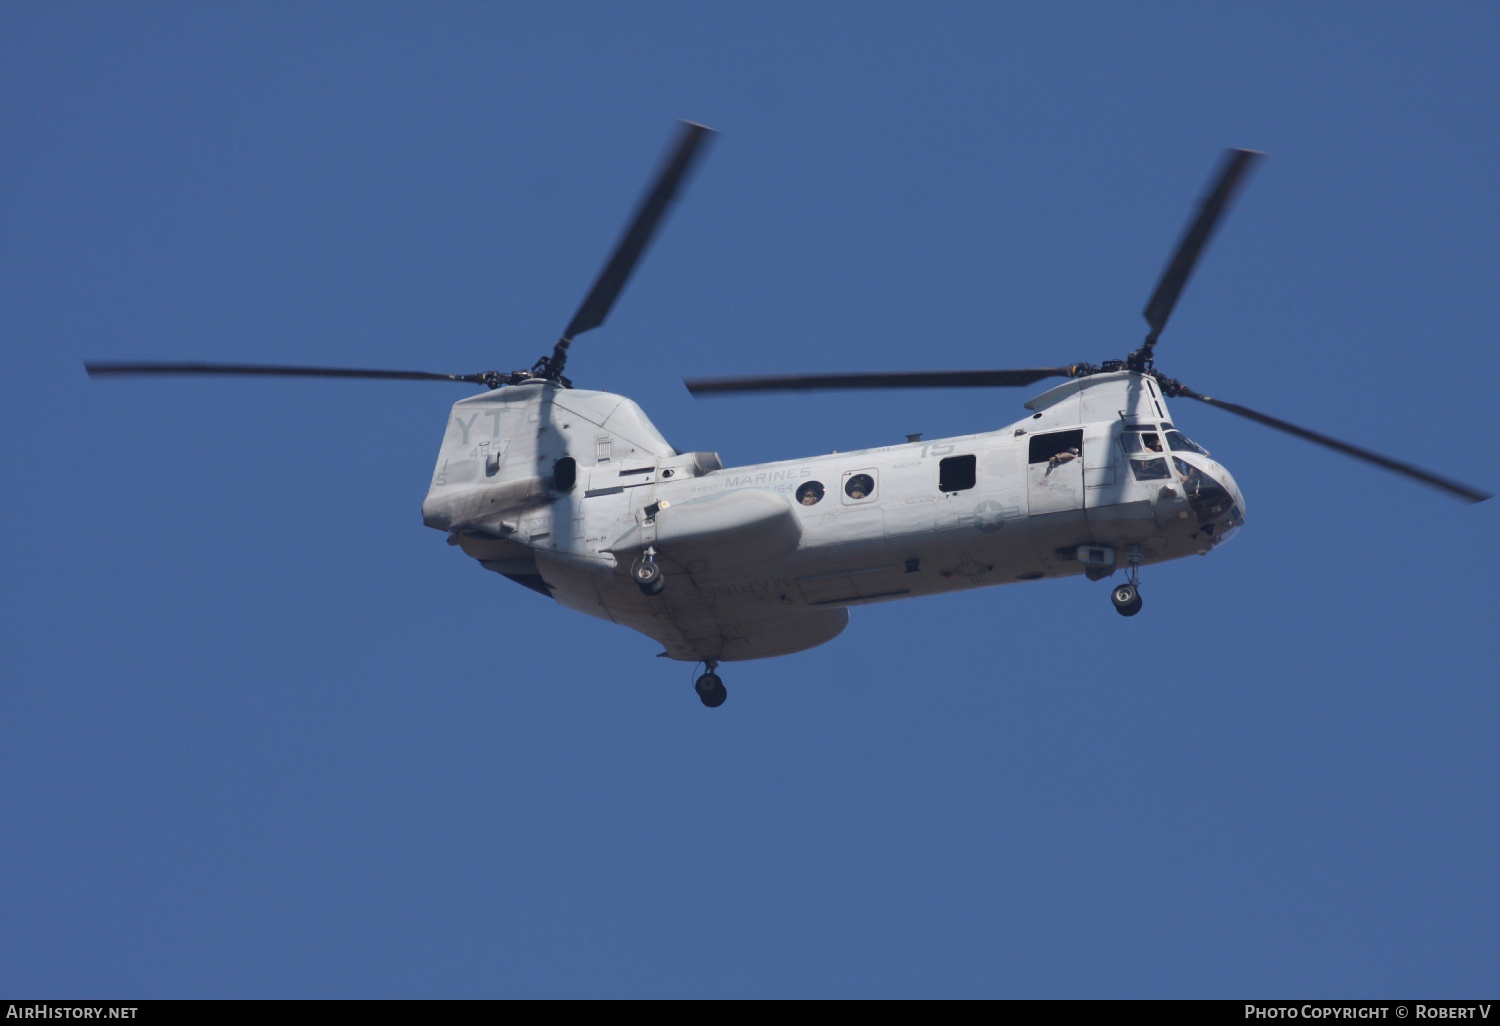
(1192, 481)
(1067, 456)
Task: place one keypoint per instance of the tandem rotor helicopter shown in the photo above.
(575, 494)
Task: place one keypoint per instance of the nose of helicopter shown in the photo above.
(1237, 511)
(1231, 521)
(1213, 494)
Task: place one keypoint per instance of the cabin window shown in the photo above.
(859, 487)
(956, 473)
(811, 493)
(1044, 447)
(1150, 470)
(565, 474)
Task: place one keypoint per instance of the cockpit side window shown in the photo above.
(1139, 440)
(1150, 470)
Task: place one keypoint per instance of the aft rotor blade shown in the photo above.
(105, 370)
(896, 379)
(632, 244)
(1236, 164)
(1426, 477)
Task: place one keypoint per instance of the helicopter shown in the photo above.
(574, 493)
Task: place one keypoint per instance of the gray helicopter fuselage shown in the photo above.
(566, 490)
(576, 495)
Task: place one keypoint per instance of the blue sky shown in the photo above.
(263, 734)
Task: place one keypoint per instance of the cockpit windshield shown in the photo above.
(1209, 499)
(1181, 443)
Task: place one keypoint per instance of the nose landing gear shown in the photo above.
(1127, 597)
(711, 690)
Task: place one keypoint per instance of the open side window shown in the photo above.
(1140, 440)
(957, 473)
(1044, 447)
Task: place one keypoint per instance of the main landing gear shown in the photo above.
(648, 576)
(1127, 597)
(710, 688)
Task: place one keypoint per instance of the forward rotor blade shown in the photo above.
(632, 244)
(897, 379)
(105, 370)
(1426, 477)
(1236, 164)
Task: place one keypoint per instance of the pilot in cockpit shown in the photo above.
(1192, 477)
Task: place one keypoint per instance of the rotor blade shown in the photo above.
(1428, 478)
(103, 370)
(896, 379)
(628, 250)
(1231, 172)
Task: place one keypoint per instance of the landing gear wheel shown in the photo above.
(649, 577)
(1127, 600)
(711, 690)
